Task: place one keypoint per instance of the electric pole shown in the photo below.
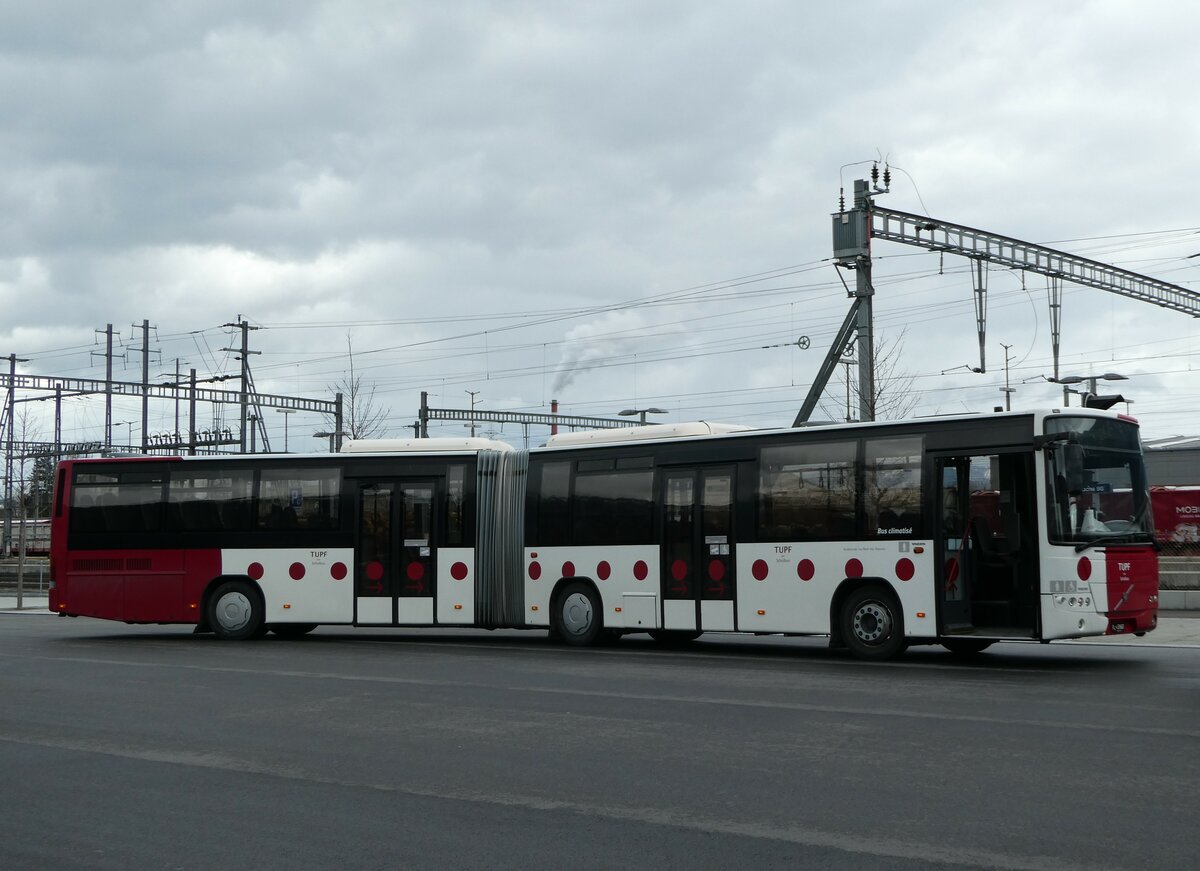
(243, 355)
(145, 351)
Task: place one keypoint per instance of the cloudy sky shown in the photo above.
(616, 205)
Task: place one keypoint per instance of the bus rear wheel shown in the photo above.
(578, 620)
(872, 624)
(235, 612)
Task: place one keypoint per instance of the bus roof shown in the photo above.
(640, 433)
(437, 446)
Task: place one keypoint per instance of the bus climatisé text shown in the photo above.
(956, 531)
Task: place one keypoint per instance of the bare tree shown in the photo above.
(361, 417)
(893, 398)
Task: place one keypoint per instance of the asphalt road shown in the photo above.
(147, 747)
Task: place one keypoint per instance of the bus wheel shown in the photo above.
(577, 617)
(966, 646)
(234, 612)
(872, 624)
(292, 630)
(673, 637)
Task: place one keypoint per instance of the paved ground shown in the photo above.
(149, 747)
(1174, 627)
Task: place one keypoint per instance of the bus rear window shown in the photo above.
(298, 499)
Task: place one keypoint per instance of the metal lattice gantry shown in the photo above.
(998, 250)
(854, 229)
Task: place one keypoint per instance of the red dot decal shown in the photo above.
(640, 570)
(458, 571)
(338, 571)
(568, 569)
(374, 570)
(535, 570)
(806, 570)
(716, 570)
(1084, 568)
(679, 570)
(296, 570)
(905, 569)
(603, 570)
(255, 571)
(854, 568)
(415, 571)
(759, 570)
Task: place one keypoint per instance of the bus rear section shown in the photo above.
(382, 535)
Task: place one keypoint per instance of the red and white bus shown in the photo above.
(956, 531)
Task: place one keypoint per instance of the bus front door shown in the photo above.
(395, 553)
(697, 568)
(987, 545)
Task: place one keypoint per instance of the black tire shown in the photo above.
(292, 630)
(966, 646)
(235, 612)
(674, 637)
(577, 616)
(872, 624)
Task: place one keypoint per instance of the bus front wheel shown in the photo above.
(872, 624)
(235, 612)
(578, 619)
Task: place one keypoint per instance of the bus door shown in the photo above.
(395, 553)
(697, 568)
(953, 597)
(987, 545)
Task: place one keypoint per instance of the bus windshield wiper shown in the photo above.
(1110, 538)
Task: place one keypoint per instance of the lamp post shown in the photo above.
(641, 413)
(1090, 393)
(331, 436)
(285, 412)
(128, 424)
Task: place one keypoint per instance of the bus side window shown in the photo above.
(298, 499)
(807, 491)
(892, 486)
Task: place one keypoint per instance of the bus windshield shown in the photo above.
(1096, 482)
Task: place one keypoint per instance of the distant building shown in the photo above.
(1173, 461)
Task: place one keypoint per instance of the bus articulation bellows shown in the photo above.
(959, 531)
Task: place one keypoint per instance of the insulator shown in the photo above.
(887, 176)
(874, 173)
(841, 199)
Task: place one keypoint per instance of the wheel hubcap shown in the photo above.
(577, 614)
(233, 611)
(872, 623)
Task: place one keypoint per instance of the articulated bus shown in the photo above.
(958, 531)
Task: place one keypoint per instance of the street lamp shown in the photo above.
(128, 424)
(641, 413)
(1089, 397)
(331, 436)
(285, 412)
